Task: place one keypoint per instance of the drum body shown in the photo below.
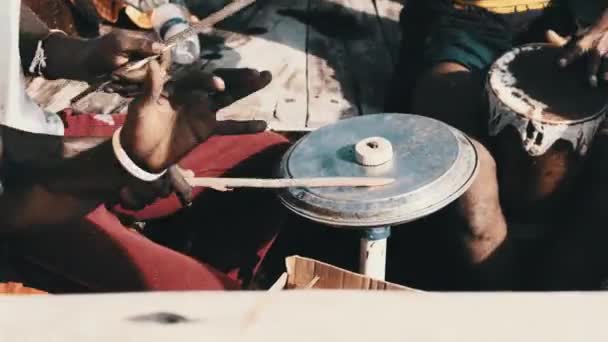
(544, 120)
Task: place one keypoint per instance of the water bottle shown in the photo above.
(169, 20)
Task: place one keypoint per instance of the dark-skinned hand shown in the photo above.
(590, 43)
(160, 130)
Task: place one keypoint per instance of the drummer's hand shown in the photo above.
(87, 60)
(159, 131)
(591, 43)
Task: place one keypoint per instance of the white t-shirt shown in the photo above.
(17, 109)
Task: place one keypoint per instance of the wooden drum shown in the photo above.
(544, 120)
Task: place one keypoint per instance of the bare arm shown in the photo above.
(60, 191)
(83, 59)
(64, 54)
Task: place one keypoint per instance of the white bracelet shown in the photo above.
(128, 164)
(39, 60)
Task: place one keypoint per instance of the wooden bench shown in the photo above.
(331, 59)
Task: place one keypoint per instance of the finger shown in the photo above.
(139, 195)
(182, 188)
(233, 94)
(555, 39)
(139, 45)
(131, 76)
(595, 61)
(234, 127)
(153, 85)
(165, 60)
(244, 78)
(196, 79)
(224, 99)
(194, 102)
(186, 173)
(240, 84)
(572, 52)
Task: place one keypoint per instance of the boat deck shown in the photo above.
(330, 59)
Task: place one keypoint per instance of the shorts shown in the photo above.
(437, 31)
(474, 37)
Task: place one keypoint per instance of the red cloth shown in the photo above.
(231, 231)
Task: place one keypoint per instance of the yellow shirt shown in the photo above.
(506, 6)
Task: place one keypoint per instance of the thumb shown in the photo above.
(234, 127)
(555, 39)
(153, 83)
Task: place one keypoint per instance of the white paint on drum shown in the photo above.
(537, 136)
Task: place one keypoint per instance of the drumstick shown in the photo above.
(225, 184)
(194, 29)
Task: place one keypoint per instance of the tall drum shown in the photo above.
(433, 164)
(544, 119)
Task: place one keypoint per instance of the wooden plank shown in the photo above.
(279, 48)
(331, 92)
(388, 12)
(369, 59)
(305, 316)
(55, 95)
(101, 103)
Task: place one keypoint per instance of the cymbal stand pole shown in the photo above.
(372, 257)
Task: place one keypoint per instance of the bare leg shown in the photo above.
(452, 94)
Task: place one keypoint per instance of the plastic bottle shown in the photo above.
(168, 20)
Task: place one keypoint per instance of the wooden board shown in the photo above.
(331, 87)
(369, 59)
(305, 316)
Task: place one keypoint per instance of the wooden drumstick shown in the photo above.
(226, 184)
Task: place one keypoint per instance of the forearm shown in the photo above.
(68, 190)
(58, 47)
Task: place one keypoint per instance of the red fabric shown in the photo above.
(231, 231)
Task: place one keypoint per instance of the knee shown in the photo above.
(487, 163)
(480, 206)
(449, 92)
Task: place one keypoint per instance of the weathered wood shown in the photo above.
(369, 59)
(388, 12)
(305, 315)
(54, 96)
(100, 102)
(331, 88)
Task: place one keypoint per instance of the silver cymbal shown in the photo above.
(433, 165)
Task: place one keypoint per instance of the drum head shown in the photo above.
(529, 81)
(433, 164)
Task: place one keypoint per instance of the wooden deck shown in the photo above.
(305, 316)
(330, 59)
